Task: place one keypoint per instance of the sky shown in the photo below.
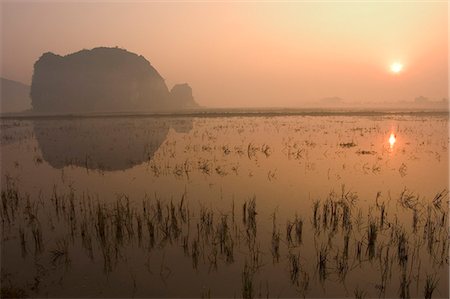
(248, 54)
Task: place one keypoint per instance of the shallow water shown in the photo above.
(280, 206)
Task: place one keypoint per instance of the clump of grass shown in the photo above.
(86, 239)
(358, 249)
(178, 170)
(298, 229)
(118, 222)
(316, 215)
(12, 292)
(229, 251)
(186, 245)
(37, 237)
(174, 226)
(247, 282)
(429, 230)
(100, 224)
(341, 265)
(151, 233)
(61, 253)
(265, 149)
(225, 240)
(322, 258)
(385, 267)
(326, 210)
(23, 244)
(10, 200)
(223, 231)
(294, 267)
(226, 150)
(206, 222)
(205, 167)
(159, 214)
(213, 258)
(221, 171)
(415, 220)
(255, 255)
(346, 217)
(289, 227)
(402, 248)
(275, 249)
(251, 150)
(372, 232)
(404, 286)
(365, 152)
(139, 229)
(358, 293)
(444, 251)
(347, 144)
(195, 253)
(250, 218)
(439, 198)
(187, 168)
(346, 244)
(408, 200)
(382, 208)
(430, 285)
(303, 284)
(206, 293)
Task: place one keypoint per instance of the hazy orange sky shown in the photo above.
(249, 53)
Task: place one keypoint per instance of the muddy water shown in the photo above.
(315, 206)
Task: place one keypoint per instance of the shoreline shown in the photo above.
(234, 112)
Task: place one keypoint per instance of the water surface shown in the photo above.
(279, 206)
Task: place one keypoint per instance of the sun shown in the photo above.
(396, 67)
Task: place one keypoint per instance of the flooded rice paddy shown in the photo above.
(280, 206)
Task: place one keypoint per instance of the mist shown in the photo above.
(249, 54)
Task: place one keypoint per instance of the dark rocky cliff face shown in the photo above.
(101, 79)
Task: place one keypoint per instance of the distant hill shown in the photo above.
(181, 95)
(99, 80)
(14, 96)
(331, 101)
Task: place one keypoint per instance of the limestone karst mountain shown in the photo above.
(99, 80)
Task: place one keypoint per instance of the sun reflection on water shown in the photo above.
(392, 140)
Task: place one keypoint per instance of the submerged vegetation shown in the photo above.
(229, 207)
(343, 242)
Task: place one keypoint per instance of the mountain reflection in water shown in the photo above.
(102, 144)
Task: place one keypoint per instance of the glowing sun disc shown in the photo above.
(396, 67)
